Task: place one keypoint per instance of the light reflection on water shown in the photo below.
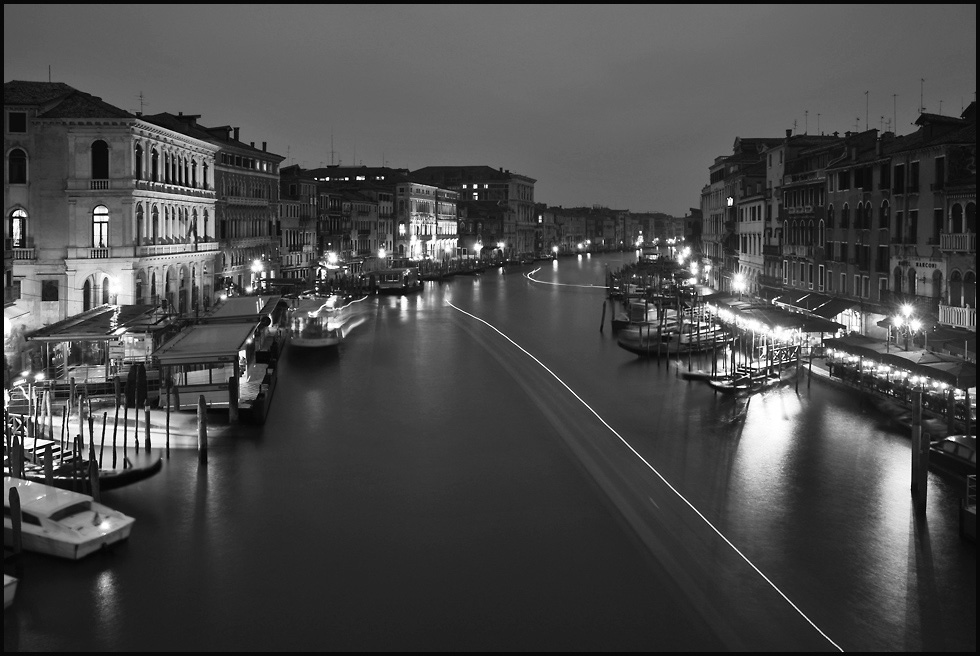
(370, 456)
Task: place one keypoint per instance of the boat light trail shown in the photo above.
(648, 465)
(558, 284)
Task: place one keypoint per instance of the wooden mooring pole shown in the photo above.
(202, 430)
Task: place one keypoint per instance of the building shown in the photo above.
(483, 183)
(103, 207)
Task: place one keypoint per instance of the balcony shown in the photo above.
(23, 253)
(98, 185)
(958, 317)
(962, 242)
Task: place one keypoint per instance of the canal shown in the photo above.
(480, 467)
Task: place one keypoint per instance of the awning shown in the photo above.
(102, 323)
(812, 301)
(790, 297)
(206, 343)
(944, 368)
(11, 312)
(833, 307)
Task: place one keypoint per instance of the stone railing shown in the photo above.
(964, 242)
(958, 317)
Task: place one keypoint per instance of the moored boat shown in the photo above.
(60, 522)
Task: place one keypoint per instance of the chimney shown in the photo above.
(263, 146)
(789, 133)
(251, 144)
(236, 134)
(878, 147)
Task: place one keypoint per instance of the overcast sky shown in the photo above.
(624, 106)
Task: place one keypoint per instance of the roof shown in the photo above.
(58, 100)
(103, 322)
(242, 308)
(206, 343)
(771, 316)
(945, 368)
(833, 307)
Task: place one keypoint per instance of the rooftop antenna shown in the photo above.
(142, 101)
(866, 121)
(818, 122)
(331, 148)
(881, 124)
(806, 121)
(794, 126)
(922, 82)
(49, 73)
(857, 124)
(895, 109)
(940, 107)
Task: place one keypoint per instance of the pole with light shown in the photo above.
(906, 323)
(738, 284)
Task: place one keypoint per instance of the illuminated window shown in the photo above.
(18, 229)
(100, 226)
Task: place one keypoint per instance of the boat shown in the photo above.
(60, 522)
(70, 473)
(316, 322)
(955, 453)
(673, 338)
(397, 280)
(744, 383)
(9, 590)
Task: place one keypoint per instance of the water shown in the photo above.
(480, 467)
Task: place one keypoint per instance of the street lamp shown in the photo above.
(906, 323)
(738, 284)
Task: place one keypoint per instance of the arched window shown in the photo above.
(100, 160)
(100, 226)
(138, 292)
(204, 227)
(821, 233)
(911, 281)
(204, 176)
(194, 174)
(845, 216)
(155, 225)
(971, 218)
(897, 275)
(193, 230)
(883, 218)
(87, 296)
(154, 166)
(830, 216)
(140, 225)
(138, 162)
(105, 290)
(17, 228)
(17, 167)
(868, 216)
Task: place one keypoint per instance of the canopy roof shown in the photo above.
(944, 368)
(772, 316)
(206, 343)
(103, 323)
(242, 308)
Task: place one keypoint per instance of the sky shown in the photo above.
(622, 106)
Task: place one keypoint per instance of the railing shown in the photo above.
(98, 253)
(959, 317)
(24, 253)
(98, 185)
(964, 242)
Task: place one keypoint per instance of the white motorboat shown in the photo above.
(316, 322)
(60, 522)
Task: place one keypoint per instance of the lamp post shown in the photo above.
(738, 284)
(906, 323)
